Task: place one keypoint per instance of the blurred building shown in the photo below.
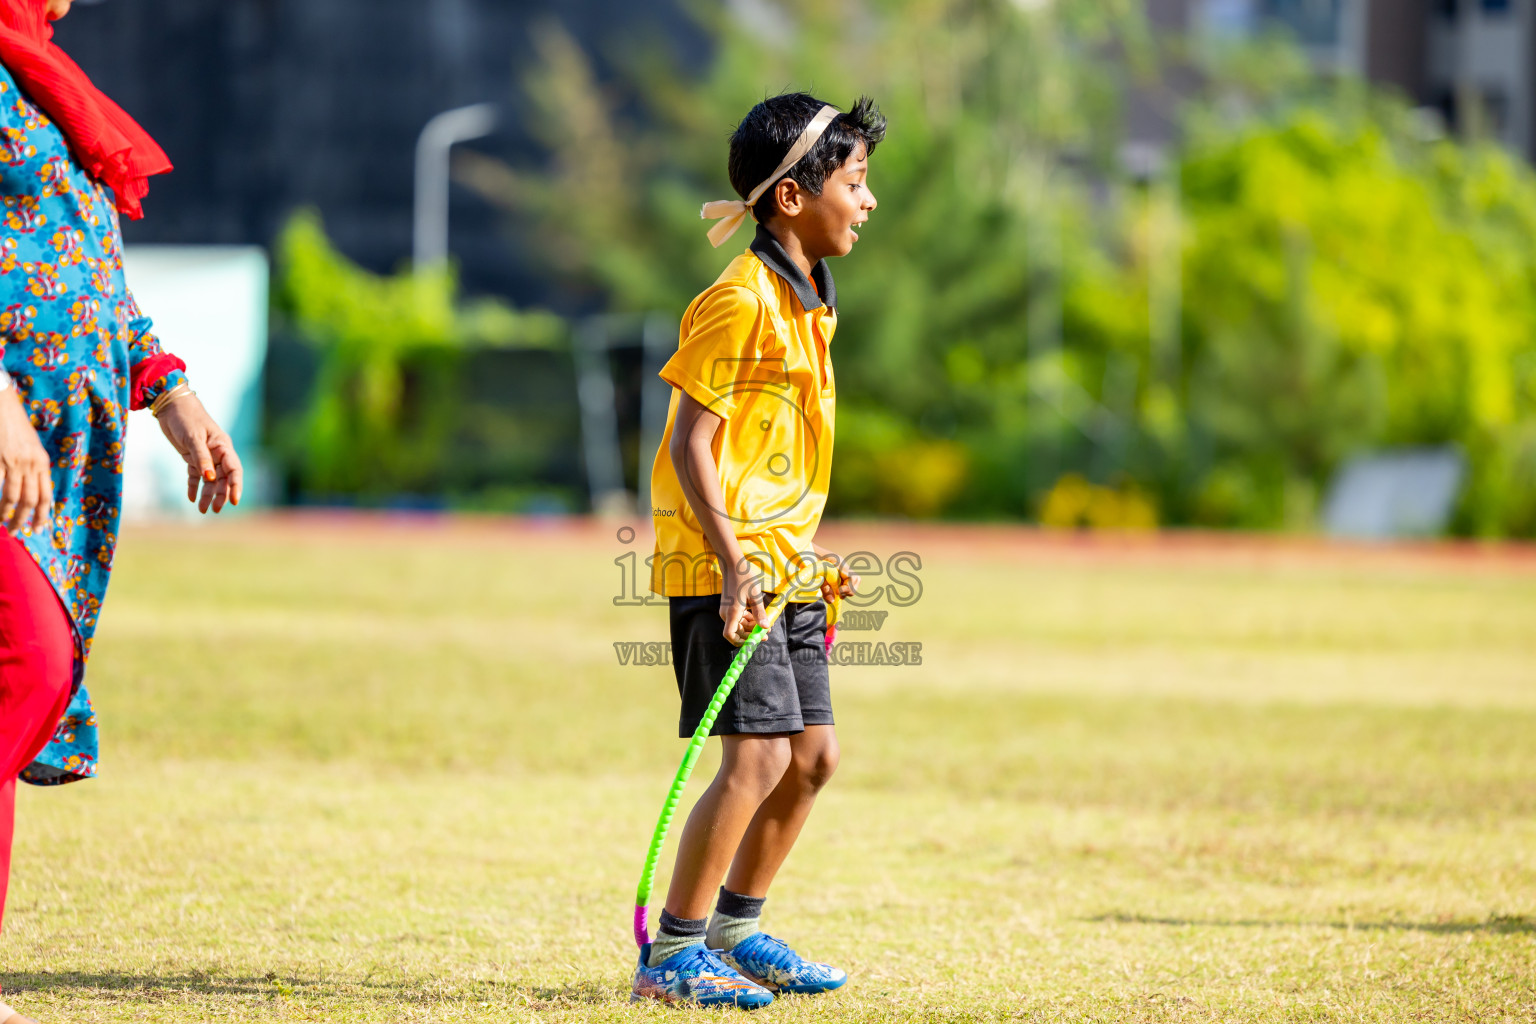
(1471, 61)
(269, 105)
(1478, 65)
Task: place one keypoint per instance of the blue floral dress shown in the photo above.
(80, 353)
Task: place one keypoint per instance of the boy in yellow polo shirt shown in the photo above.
(738, 489)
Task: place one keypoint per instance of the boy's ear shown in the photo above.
(788, 197)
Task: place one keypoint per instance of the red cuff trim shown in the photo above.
(147, 373)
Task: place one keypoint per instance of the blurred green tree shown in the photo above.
(1347, 285)
(989, 109)
(1310, 275)
(385, 404)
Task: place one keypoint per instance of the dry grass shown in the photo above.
(375, 773)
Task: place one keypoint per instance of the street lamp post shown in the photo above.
(429, 244)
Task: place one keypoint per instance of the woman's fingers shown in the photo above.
(26, 499)
(231, 475)
(215, 477)
(236, 473)
(44, 511)
(205, 498)
(26, 505)
(203, 456)
(220, 489)
(194, 447)
(9, 497)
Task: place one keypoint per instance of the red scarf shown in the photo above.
(108, 143)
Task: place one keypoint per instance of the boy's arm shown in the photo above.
(692, 454)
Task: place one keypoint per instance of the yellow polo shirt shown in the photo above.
(754, 349)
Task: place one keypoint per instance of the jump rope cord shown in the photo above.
(701, 737)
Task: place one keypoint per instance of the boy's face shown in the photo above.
(827, 225)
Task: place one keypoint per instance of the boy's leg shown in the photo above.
(750, 770)
(813, 757)
(777, 823)
(734, 927)
(677, 966)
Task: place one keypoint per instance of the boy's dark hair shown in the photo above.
(771, 127)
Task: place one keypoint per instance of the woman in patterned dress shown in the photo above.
(77, 355)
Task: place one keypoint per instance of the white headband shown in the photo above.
(734, 211)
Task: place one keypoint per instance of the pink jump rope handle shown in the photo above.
(642, 925)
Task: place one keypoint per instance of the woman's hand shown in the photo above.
(26, 493)
(211, 458)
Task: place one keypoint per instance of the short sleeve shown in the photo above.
(720, 352)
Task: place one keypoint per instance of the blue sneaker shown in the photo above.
(773, 965)
(695, 975)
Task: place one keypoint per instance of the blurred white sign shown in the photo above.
(209, 306)
(1403, 493)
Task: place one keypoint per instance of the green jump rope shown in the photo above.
(701, 736)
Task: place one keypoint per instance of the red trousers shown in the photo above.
(37, 662)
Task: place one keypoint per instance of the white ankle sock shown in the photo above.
(735, 919)
(673, 935)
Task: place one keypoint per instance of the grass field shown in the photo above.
(363, 772)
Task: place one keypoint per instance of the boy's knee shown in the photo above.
(759, 763)
(816, 766)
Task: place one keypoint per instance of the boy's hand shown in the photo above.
(848, 583)
(741, 604)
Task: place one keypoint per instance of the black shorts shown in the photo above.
(784, 687)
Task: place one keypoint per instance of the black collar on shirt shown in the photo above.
(777, 260)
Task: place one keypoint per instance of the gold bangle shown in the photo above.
(179, 391)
